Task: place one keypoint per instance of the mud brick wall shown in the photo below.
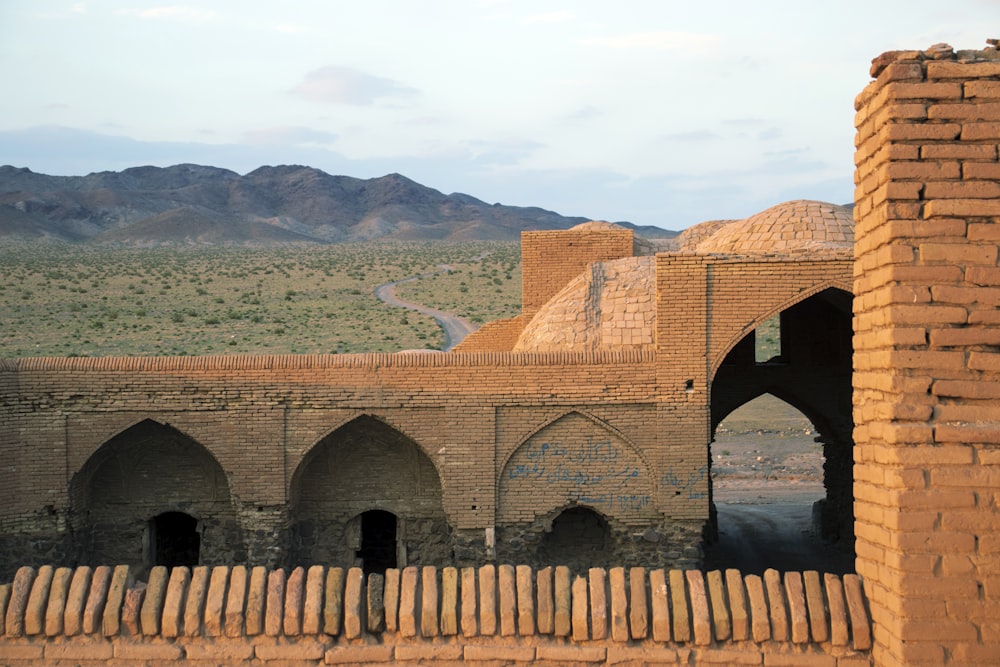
(496, 336)
(927, 368)
(260, 422)
(477, 616)
(550, 259)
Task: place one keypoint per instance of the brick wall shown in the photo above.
(926, 362)
(479, 616)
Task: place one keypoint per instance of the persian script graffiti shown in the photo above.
(594, 468)
(686, 485)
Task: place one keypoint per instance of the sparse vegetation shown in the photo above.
(239, 300)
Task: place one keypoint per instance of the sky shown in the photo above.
(656, 112)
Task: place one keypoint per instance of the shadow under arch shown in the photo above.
(812, 372)
(145, 471)
(363, 465)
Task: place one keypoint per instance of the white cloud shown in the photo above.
(288, 135)
(173, 12)
(662, 40)
(550, 17)
(343, 85)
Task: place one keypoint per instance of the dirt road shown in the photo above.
(455, 328)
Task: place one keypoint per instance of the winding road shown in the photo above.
(455, 328)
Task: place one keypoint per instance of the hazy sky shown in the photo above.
(658, 112)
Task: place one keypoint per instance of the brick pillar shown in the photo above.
(927, 356)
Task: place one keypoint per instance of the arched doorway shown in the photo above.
(356, 478)
(378, 541)
(579, 535)
(807, 365)
(130, 499)
(174, 540)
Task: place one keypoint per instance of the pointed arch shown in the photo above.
(145, 470)
(551, 419)
(575, 459)
(366, 464)
(763, 316)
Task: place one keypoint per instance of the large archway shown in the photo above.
(151, 495)
(808, 368)
(367, 466)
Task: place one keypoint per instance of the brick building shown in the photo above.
(585, 422)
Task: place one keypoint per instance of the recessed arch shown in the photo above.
(552, 419)
(364, 465)
(145, 471)
(575, 459)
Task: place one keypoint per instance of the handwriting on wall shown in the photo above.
(598, 469)
(686, 485)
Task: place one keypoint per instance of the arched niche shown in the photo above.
(367, 465)
(575, 460)
(147, 471)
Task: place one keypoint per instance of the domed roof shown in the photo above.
(611, 305)
(689, 239)
(795, 226)
(595, 226)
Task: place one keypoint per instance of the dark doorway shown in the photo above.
(579, 538)
(175, 539)
(378, 541)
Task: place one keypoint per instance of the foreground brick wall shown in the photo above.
(927, 371)
(490, 615)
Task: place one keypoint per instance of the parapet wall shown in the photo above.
(490, 615)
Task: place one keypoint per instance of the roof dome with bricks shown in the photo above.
(795, 226)
(609, 306)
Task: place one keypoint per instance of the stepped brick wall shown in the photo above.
(496, 336)
(485, 616)
(927, 368)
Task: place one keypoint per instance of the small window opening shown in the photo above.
(378, 541)
(175, 539)
(767, 341)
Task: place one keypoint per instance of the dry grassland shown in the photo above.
(62, 300)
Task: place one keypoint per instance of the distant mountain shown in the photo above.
(192, 204)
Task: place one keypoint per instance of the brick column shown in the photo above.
(927, 355)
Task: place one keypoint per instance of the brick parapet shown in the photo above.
(325, 615)
(925, 333)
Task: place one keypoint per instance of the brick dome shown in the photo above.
(609, 306)
(795, 226)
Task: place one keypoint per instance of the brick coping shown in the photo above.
(616, 606)
(373, 360)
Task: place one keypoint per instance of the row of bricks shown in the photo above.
(308, 651)
(679, 606)
(365, 361)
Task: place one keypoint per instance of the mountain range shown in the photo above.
(191, 204)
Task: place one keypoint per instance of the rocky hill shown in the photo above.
(192, 204)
